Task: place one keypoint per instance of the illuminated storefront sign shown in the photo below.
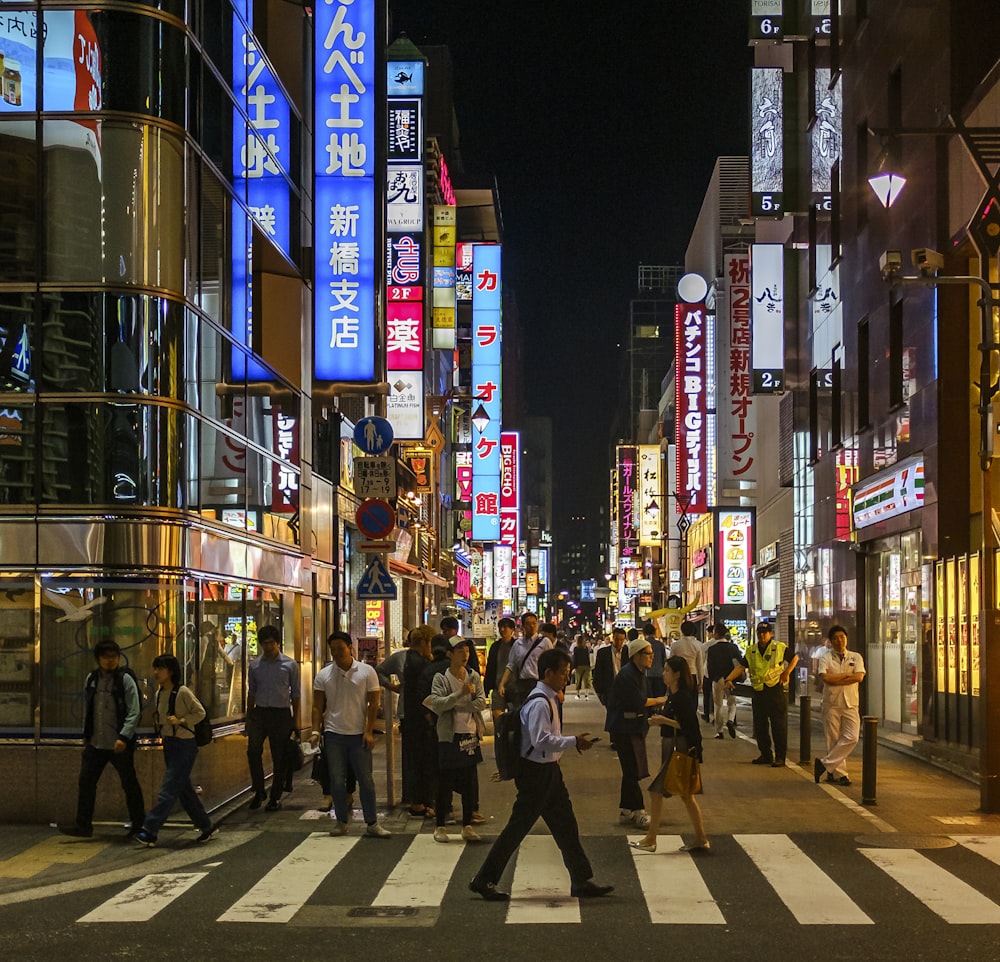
(463, 272)
(767, 166)
(486, 390)
(692, 405)
(404, 277)
(345, 216)
(625, 504)
(404, 404)
(510, 474)
(404, 347)
(890, 493)
(405, 78)
(766, 19)
(488, 573)
(405, 141)
(826, 136)
(462, 582)
(734, 543)
(443, 322)
(734, 383)
(285, 481)
(503, 570)
(650, 496)
(767, 317)
(847, 475)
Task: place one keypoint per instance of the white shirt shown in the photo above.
(843, 696)
(691, 651)
(520, 648)
(540, 729)
(346, 696)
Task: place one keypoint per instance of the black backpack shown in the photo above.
(507, 739)
(202, 730)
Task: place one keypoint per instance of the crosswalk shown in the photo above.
(819, 881)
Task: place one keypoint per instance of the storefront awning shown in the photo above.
(416, 573)
(434, 579)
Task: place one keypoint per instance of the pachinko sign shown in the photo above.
(692, 405)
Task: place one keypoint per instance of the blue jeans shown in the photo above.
(178, 756)
(343, 751)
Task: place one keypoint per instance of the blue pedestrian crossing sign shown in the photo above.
(376, 583)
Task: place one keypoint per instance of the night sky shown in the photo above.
(601, 123)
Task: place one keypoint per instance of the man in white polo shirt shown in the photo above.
(345, 702)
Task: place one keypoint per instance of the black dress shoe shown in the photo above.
(720, 735)
(818, 769)
(257, 801)
(843, 780)
(590, 890)
(778, 763)
(273, 806)
(488, 891)
(762, 760)
(732, 729)
(75, 831)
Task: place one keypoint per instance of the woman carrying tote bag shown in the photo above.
(680, 773)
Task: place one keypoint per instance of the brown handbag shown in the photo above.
(683, 775)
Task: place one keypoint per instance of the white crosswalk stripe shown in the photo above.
(287, 887)
(939, 890)
(808, 892)
(675, 886)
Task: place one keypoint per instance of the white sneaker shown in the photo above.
(339, 829)
(469, 834)
(640, 819)
(376, 831)
(625, 816)
(441, 834)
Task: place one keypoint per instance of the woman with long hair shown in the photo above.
(176, 712)
(681, 715)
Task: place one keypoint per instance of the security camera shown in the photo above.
(926, 260)
(890, 262)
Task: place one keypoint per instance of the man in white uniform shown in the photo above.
(842, 671)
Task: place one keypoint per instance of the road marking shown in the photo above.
(939, 890)
(808, 892)
(877, 823)
(53, 851)
(986, 845)
(285, 889)
(422, 874)
(141, 901)
(672, 886)
(540, 892)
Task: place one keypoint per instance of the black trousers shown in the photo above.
(541, 793)
(707, 704)
(274, 724)
(770, 710)
(630, 797)
(91, 765)
(465, 781)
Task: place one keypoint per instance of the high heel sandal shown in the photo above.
(644, 846)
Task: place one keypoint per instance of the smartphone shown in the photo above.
(594, 741)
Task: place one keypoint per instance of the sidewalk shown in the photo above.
(913, 799)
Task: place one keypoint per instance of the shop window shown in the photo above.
(17, 656)
(18, 202)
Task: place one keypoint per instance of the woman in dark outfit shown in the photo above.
(681, 717)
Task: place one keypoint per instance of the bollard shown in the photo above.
(869, 757)
(805, 729)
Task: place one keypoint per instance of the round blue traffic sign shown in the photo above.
(375, 519)
(373, 435)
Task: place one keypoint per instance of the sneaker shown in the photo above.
(640, 819)
(478, 818)
(75, 831)
(441, 834)
(719, 735)
(625, 816)
(376, 831)
(208, 833)
(339, 829)
(144, 840)
(732, 729)
(469, 834)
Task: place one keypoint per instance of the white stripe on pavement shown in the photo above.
(287, 887)
(141, 901)
(808, 892)
(672, 886)
(938, 889)
(540, 892)
(423, 873)
(986, 845)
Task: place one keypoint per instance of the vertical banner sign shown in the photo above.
(486, 407)
(767, 317)
(509, 488)
(345, 215)
(734, 393)
(767, 144)
(404, 324)
(445, 232)
(734, 543)
(285, 480)
(628, 534)
(650, 496)
(463, 477)
(503, 570)
(488, 578)
(826, 138)
(692, 405)
(766, 20)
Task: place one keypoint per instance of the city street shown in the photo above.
(916, 876)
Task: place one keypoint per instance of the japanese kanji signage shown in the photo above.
(734, 543)
(510, 476)
(736, 412)
(375, 477)
(345, 216)
(650, 496)
(284, 479)
(767, 317)
(628, 531)
(503, 570)
(444, 277)
(404, 349)
(404, 279)
(826, 136)
(692, 405)
(767, 144)
(486, 407)
(404, 404)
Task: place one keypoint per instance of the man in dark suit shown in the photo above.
(607, 664)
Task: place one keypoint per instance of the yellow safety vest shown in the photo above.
(765, 669)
